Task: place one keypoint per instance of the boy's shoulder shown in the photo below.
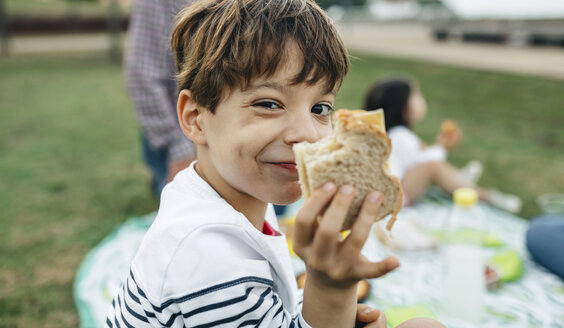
(190, 205)
(188, 200)
(197, 234)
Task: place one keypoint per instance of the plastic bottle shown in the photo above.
(464, 262)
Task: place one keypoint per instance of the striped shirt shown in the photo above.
(203, 264)
(149, 75)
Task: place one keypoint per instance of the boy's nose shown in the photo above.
(302, 128)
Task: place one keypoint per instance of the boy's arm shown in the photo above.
(334, 266)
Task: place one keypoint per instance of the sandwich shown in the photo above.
(356, 154)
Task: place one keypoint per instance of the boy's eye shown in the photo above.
(267, 104)
(321, 109)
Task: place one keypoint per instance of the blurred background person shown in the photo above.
(149, 74)
(545, 242)
(417, 165)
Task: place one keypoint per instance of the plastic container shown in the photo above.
(464, 259)
(552, 203)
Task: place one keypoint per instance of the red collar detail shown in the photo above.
(267, 230)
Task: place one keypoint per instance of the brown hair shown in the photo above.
(222, 44)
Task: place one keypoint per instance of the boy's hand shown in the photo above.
(367, 317)
(334, 266)
(331, 262)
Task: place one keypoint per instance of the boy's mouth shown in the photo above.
(289, 166)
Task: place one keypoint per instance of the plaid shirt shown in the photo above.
(149, 75)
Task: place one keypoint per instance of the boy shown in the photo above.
(255, 77)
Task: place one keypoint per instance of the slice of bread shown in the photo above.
(356, 154)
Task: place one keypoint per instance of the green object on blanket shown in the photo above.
(102, 271)
(398, 315)
(508, 264)
(469, 235)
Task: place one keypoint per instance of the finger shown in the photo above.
(306, 217)
(361, 227)
(370, 270)
(379, 323)
(328, 232)
(365, 313)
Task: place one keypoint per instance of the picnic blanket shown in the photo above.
(534, 300)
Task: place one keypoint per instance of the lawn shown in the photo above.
(71, 170)
(60, 8)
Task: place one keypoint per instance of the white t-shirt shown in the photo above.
(407, 151)
(202, 264)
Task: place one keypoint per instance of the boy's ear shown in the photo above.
(190, 117)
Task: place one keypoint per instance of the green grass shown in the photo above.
(58, 8)
(71, 171)
(70, 167)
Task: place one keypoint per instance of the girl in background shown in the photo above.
(419, 166)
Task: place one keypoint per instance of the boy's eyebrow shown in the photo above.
(274, 85)
(270, 85)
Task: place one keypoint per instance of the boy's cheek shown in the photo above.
(327, 130)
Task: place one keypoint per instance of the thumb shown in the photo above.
(365, 313)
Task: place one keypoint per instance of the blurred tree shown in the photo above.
(345, 3)
(114, 27)
(3, 29)
(114, 21)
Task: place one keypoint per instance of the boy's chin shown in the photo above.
(286, 197)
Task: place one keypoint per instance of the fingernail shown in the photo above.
(392, 263)
(329, 186)
(368, 310)
(374, 197)
(347, 190)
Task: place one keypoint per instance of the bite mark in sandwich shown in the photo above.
(356, 154)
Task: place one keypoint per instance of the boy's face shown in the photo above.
(248, 141)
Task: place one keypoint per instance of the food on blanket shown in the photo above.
(508, 264)
(407, 235)
(361, 293)
(363, 290)
(492, 278)
(449, 127)
(286, 225)
(356, 154)
(301, 279)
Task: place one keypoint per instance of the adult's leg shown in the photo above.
(157, 161)
(545, 241)
(421, 323)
